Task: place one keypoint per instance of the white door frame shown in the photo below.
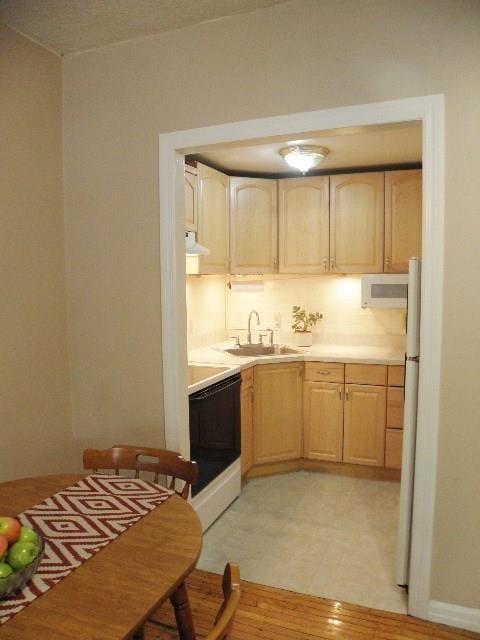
(173, 146)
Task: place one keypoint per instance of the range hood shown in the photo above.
(192, 248)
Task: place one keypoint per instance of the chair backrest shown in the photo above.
(160, 462)
(231, 598)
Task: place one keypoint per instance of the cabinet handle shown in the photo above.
(332, 262)
(387, 261)
(325, 264)
(347, 394)
(340, 392)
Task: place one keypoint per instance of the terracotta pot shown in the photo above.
(303, 338)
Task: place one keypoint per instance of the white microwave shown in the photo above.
(385, 291)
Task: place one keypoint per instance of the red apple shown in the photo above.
(10, 528)
(3, 546)
(21, 554)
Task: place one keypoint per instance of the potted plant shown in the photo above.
(302, 321)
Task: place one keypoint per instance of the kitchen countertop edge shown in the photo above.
(214, 356)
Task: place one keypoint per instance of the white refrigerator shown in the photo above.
(412, 358)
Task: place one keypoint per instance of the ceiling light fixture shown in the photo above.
(303, 157)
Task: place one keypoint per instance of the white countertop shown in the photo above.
(318, 352)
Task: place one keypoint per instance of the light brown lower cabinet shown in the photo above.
(290, 416)
(277, 409)
(246, 413)
(323, 421)
(393, 448)
(364, 425)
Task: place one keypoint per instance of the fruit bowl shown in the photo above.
(17, 580)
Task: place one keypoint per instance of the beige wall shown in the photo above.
(206, 310)
(303, 55)
(338, 298)
(35, 415)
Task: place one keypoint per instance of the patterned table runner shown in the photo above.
(76, 523)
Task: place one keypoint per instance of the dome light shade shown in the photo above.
(303, 157)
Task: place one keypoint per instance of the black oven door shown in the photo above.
(215, 429)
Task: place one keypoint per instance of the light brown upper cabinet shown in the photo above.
(253, 221)
(191, 198)
(403, 219)
(277, 411)
(303, 225)
(357, 223)
(213, 219)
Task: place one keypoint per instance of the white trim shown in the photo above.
(429, 110)
(454, 615)
(212, 501)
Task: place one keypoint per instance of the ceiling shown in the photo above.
(71, 26)
(353, 147)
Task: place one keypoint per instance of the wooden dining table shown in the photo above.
(114, 592)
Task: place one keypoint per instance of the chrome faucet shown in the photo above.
(249, 333)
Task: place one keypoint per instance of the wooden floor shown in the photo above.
(266, 613)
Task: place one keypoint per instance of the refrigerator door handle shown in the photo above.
(413, 358)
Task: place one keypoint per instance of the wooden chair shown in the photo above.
(222, 628)
(160, 462)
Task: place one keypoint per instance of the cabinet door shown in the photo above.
(191, 198)
(213, 219)
(277, 411)
(393, 449)
(253, 220)
(364, 425)
(303, 225)
(246, 411)
(357, 223)
(403, 219)
(323, 420)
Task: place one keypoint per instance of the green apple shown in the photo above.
(28, 535)
(21, 554)
(5, 570)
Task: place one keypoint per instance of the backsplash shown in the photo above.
(206, 310)
(337, 297)
(215, 312)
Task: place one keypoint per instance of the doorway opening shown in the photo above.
(173, 148)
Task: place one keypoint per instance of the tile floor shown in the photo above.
(324, 535)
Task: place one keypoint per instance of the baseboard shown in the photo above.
(454, 615)
(321, 466)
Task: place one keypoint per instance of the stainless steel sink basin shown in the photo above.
(254, 350)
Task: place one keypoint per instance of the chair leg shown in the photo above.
(183, 613)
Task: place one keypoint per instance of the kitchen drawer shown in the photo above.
(247, 377)
(393, 448)
(395, 402)
(324, 371)
(374, 374)
(396, 376)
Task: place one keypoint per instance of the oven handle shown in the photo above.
(211, 392)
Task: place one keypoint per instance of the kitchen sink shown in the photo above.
(254, 350)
